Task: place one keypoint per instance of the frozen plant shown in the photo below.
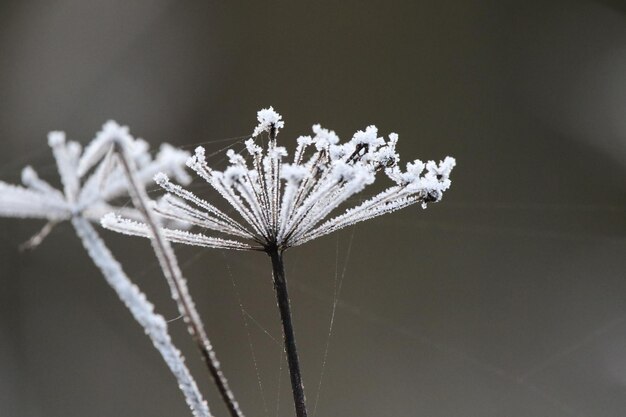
(88, 192)
(284, 204)
(112, 166)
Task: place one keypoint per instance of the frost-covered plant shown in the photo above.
(285, 204)
(280, 204)
(86, 191)
(112, 166)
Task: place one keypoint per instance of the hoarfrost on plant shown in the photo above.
(284, 204)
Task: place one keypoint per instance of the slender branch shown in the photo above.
(177, 283)
(36, 240)
(143, 312)
(280, 285)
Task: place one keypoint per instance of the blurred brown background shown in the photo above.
(506, 299)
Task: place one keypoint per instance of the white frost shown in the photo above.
(288, 204)
(268, 118)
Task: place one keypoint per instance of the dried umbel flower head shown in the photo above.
(113, 165)
(284, 204)
(91, 183)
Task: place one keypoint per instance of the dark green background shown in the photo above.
(507, 299)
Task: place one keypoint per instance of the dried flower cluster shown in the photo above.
(91, 181)
(285, 204)
(86, 191)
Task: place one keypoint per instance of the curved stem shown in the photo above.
(143, 312)
(282, 296)
(177, 283)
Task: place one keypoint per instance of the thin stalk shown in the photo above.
(143, 312)
(282, 296)
(177, 283)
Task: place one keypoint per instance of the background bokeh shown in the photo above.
(506, 299)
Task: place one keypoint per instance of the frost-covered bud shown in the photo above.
(323, 137)
(110, 134)
(278, 152)
(428, 184)
(140, 146)
(430, 189)
(161, 178)
(268, 119)
(74, 149)
(29, 175)
(56, 138)
(342, 171)
(304, 140)
(393, 140)
(197, 159)
(173, 160)
(443, 170)
(337, 152)
(139, 151)
(293, 173)
(415, 168)
(169, 155)
(395, 174)
(364, 174)
(439, 175)
(412, 174)
(200, 154)
(252, 148)
(368, 137)
(233, 174)
(253, 175)
(235, 158)
(112, 131)
(386, 157)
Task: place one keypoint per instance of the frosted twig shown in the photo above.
(154, 324)
(36, 239)
(175, 279)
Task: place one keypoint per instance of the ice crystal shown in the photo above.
(284, 204)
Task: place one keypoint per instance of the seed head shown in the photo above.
(284, 204)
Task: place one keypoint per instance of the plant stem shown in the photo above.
(280, 286)
(178, 286)
(143, 312)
